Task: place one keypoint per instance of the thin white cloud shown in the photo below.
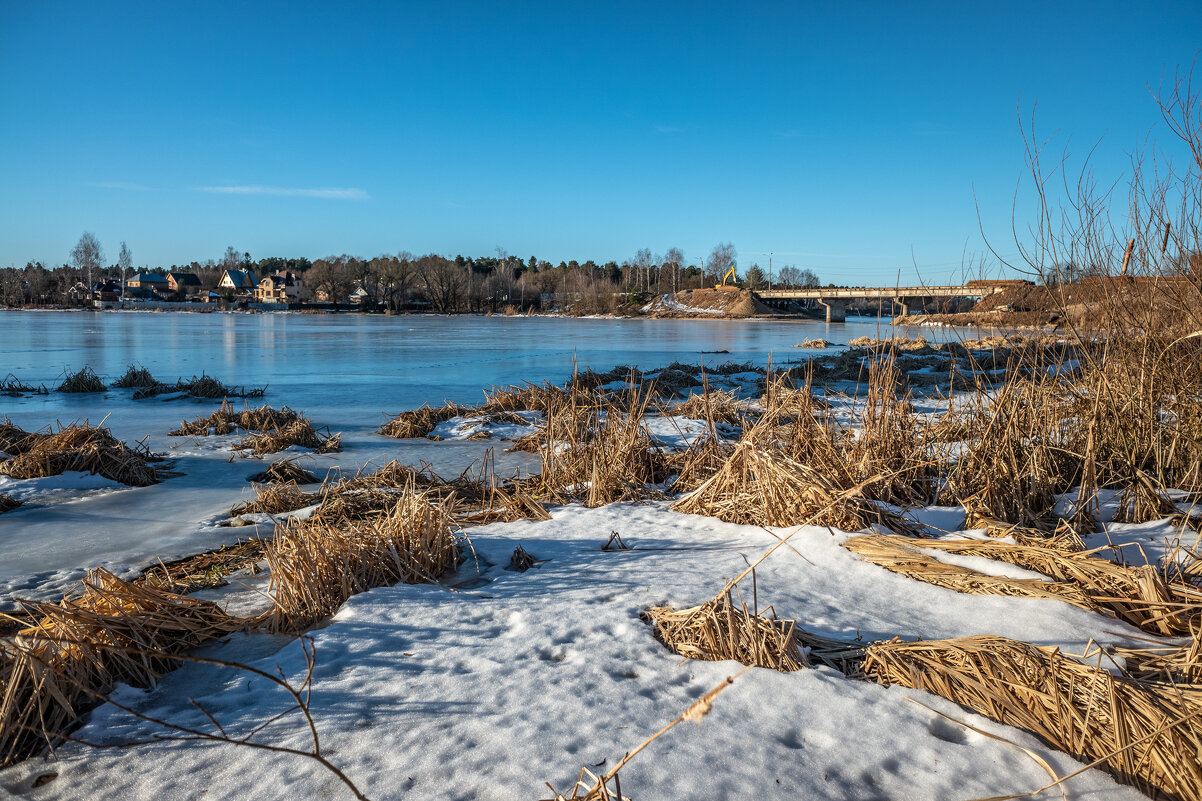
(327, 193)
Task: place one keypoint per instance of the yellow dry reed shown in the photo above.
(724, 628)
(316, 566)
(903, 556)
(77, 650)
(1146, 734)
(83, 448)
(764, 487)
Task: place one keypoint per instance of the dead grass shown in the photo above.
(8, 503)
(1172, 664)
(204, 570)
(82, 381)
(420, 422)
(762, 486)
(77, 650)
(267, 430)
(1139, 595)
(901, 555)
(598, 452)
(299, 432)
(277, 498)
(284, 470)
(1143, 733)
(316, 566)
(83, 448)
(202, 386)
(136, 378)
(225, 420)
(726, 628)
(12, 386)
(714, 406)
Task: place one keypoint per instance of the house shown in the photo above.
(363, 296)
(241, 282)
(152, 281)
(106, 291)
(184, 285)
(278, 289)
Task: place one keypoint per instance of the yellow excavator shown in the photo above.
(729, 274)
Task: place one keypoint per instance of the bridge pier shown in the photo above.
(905, 307)
(836, 309)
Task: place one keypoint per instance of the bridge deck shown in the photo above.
(821, 293)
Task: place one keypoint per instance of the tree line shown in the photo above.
(402, 280)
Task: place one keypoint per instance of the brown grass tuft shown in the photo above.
(83, 448)
(83, 381)
(723, 628)
(1144, 734)
(316, 566)
(764, 487)
(283, 471)
(80, 648)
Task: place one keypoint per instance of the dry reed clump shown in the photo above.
(316, 566)
(420, 422)
(889, 455)
(813, 343)
(1144, 734)
(136, 378)
(714, 406)
(724, 628)
(275, 499)
(879, 450)
(284, 470)
(599, 453)
(903, 556)
(527, 397)
(77, 650)
(204, 570)
(83, 381)
(1173, 664)
(1139, 595)
(764, 487)
(226, 420)
(299, 432)
(696, 464)
(1022, 457)
(1142, 595)
(202, 386)
(8, 503)
(83, 448)
(12, 386)
(15, 440)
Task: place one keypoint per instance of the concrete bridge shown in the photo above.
(834, 299)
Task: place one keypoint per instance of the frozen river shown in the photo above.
(375, 362)
(345, 371)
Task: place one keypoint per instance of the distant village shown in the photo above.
(235, 286)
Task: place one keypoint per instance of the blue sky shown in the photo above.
(854, 139)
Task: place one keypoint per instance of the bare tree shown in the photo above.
(722, 259)
(673, 261)
(231, 260)
(443, 281)
(125, 261)
(397, 279)
(87, 256)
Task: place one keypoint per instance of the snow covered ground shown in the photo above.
(428, 692)
(495, 681)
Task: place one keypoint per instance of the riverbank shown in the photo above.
(539, 650)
